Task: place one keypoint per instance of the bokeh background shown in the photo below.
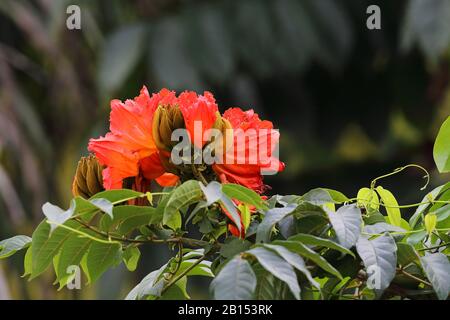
(350, 103)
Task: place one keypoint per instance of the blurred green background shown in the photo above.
(350, 103)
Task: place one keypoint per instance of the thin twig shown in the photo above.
(188, 241)
(411, 276)
(182, 274)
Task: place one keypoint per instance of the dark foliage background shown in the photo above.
(350, 103)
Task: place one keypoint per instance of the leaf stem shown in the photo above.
(188, 241)
(435, 247)
(411, 276)
(182, 274)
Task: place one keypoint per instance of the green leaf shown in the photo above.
(381, 227)
(186, 194)
(437, 269)
(337, 196)
(281, 269)
(310, 254)
(103, 205)
(430, 222)
(56, 215)
(321, 242)
(379, 256)
(174, 221)
(368, 198)
(318, 197)
(83, 206)
(245, 215)
(127, 218)
(234, 246)
(346, 222)
(213, 193)
(72, 252)
(117, 196)
(441, 150)
(235, 281)
(177, 291)
(147, 285)
(272, 217)
(202, 269)
(416, 237)
(294, 260)
(431, 196)
(10, 246)
(131, 257)
(268, 287)
(394, 215)
(405, 254)
(100, 257)
(243, 194)
(442, 213)
(28, 263)
(78, 206)
(45, 245)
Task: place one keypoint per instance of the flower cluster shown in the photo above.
(137, 149)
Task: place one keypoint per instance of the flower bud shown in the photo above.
(88, 178)
(165, 121)
(222, 143)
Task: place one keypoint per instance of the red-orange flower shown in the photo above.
(254, 143)
(139, 143)
(200, 109)
(129, 150)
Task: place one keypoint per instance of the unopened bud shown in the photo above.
(88, 178)
(165, 121)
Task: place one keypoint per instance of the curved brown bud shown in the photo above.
(88, 178)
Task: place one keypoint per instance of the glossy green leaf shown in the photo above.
(234, 246)
(431, 196)
(437, 269)
(71, 254)
(127, 218)
(243, 194)
(184, 195)
(379, 256)
(10, 246)
(271, 217)
(394, 215)
(310, 254)
(430, 222)
(405, 254)
(100, 257)
(177, 291)
(213, 193)
(147, 285)
(276, 265)
(45, 245)
(368, 198)
(131, 257)
(308, 239)
(346, 222)
(294, 260)
(117, 196)
(235, 281)
(202, 269)
(441, 151)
